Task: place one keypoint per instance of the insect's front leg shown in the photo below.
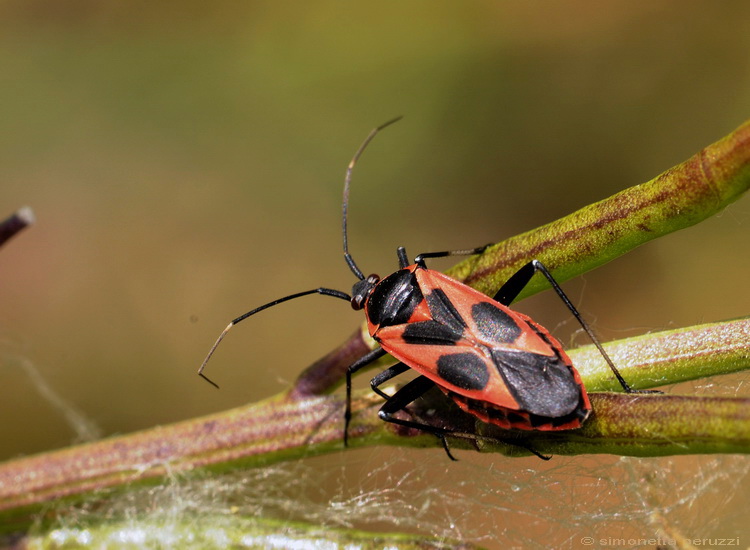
(353, 368)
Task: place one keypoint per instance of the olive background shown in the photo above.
(186, 160)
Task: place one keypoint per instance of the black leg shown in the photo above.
(466, 252)
(354, 367)
(416, 389)
(513, 286)
(523, 445)
(403, 259)
(323, 291)
(407, 394)
(382, 377)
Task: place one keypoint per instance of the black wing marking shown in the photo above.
(430, 333)
(494, 324)
(464, 370)
(445, 328)
(444, 312)
(542, 385)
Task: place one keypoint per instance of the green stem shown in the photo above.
(680, 197)
(668, 357)
(284, 428)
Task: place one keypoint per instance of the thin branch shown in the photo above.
(284, 428)
(684, 195)
(19, 220)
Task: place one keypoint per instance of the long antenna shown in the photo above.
(347, 181)
(323, 291)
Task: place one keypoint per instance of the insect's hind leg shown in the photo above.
(413, 391)
(513, 287)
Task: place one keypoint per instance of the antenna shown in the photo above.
(347, 181)
(323, 291)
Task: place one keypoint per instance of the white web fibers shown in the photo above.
(493, 502)
(84, 428)
(488, 500)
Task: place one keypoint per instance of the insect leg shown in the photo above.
(413, 391)
(323, 291)
(407, 394)
(382, 377)
(403, 260)
(465, 252)
(354, 367)
(513, 286)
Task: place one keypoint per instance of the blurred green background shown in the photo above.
(185, 162)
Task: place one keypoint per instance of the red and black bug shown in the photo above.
(494, 363)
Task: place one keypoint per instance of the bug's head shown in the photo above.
(362, 289)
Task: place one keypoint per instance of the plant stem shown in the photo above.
(678, 198)
(16, 222)
(286, 428)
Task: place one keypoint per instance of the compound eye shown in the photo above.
(358, 302)
(362, 289)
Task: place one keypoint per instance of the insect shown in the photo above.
(493, 362)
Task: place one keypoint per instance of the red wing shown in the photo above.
(488, 322)
(474, 374)
(480, 349)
